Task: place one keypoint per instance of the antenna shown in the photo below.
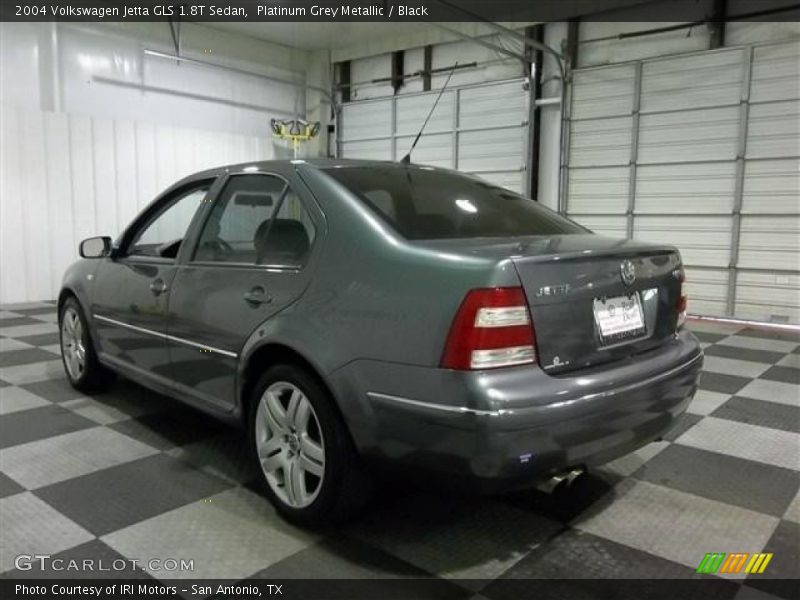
(407, 158)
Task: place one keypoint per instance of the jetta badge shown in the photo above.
(628, 272)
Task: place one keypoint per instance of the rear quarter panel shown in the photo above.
(378, 296)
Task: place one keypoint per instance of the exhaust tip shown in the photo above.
(559, 481)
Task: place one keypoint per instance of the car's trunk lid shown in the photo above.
(565, 275)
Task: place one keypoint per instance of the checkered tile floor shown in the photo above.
(129, 473)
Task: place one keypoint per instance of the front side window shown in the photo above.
(257, 220)
(162, 235)
(423, 203)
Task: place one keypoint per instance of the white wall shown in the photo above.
(102, 70)
(92, 129)
(67, 177)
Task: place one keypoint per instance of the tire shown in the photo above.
(309, 468)
(78, 355)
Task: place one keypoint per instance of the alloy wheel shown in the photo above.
(289, 444)
(72, 346)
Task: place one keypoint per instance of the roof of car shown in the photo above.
(347, 162)
(322, 163)
(281, 164)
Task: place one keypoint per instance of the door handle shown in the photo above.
(257, 296)
(157, 286)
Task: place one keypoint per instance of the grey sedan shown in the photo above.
(356, 315)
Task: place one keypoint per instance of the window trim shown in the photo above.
(375, 211)
(156, 210)
(191, 262)
(251, 266)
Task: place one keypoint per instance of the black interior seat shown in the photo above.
(281, 242)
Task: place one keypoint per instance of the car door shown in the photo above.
(250, 261)
(132, 289)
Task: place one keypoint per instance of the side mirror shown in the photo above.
(95, 247)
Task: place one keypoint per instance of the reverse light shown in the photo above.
(491, 329)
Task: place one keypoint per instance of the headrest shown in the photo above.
(280, 241)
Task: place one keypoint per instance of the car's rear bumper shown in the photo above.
(513, 427)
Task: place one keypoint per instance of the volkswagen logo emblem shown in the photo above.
(628, 272)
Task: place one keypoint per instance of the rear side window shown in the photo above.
(257, 220)
(430, 204)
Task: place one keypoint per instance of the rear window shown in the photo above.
(430, 204)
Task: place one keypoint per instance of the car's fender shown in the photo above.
(79, 281)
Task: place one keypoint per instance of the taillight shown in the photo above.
(491, 329)
(683, 302)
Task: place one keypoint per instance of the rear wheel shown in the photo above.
(82, 368)
(309, 467)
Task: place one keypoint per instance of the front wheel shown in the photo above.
(310, 469)
(82, 368)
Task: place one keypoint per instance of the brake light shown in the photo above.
(491, 329)
(683, 302)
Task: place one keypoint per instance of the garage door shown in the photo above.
(700, 151)
(481, 129)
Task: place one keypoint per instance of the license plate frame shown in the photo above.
(626, 321)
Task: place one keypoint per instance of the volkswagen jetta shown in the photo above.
(353, 313)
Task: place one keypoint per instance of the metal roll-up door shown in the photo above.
(369, 129)
(480, 129)
(700, 151)
(600, 138)
(768, 275)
